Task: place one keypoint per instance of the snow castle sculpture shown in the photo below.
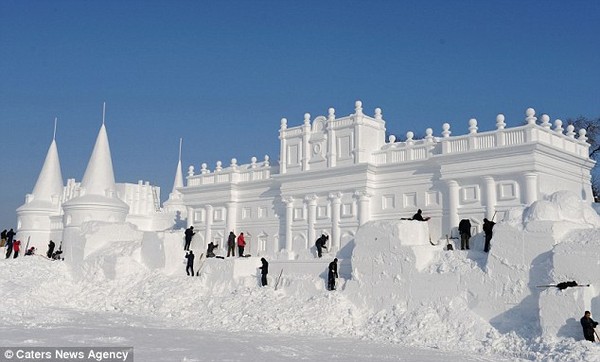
(333, 175)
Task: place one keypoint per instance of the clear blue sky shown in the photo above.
(221, 74)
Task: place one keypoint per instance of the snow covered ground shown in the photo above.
(176, 318)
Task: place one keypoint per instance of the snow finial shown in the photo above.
(392, 138)
(530, 116)
(472, 126)
(500, 121)
(558, 126)
(545, 121)
(429, 135)
(284, 123)
(331, 113)
(358, 107)
(266, 163)
(306, 118)
(582, 133)
(378, 113)
(571, 131)
(103, 112)
(54, 135)
(446, 130)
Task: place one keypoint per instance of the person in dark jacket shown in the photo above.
(332, 275)
(9, 242)
(464, 229)
(210, 250)
(189, 234)
(419, 216)
(320, 244)
(231, 244)
(189, 269)
(3, 238)
(30, 251)
(241, 244)
(51, 246)
(264, 270)
(488, 226)
(588, 325)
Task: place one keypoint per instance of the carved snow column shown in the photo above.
(530, 188)
(332, 149)
(190, 216)
(453, 203)
(289, 209)
(209, 221)
(231, 220)
(336, 201)
(311, 200)
(305, 139)
(283, 146)
(364, 210)
(490, 196)
(358, 121)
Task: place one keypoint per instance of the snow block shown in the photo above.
(560, 311)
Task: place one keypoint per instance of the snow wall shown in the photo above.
(395, 270)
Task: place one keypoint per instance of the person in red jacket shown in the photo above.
(16, 248)
(241, 245)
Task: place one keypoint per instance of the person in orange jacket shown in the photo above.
(241, 244)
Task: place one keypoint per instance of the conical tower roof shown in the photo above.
(99, 176)
(178, 178)
(50, 181)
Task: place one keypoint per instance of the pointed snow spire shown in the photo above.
(50, 181)
(178, 174)
(99, 176)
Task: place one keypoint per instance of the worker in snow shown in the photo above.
(189, 269)
(9, 242)
(241, 244)
(464, 229)
(588, 325)
(189, 234)
(320, 244)
(419, 216)
(51, 246)
(16, 248)
(3, 238)
(264, 270)
(332, 275)
(231, 244)
(488, 226)
(210, 250)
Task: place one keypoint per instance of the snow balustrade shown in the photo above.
(235, 173)
(415, 150)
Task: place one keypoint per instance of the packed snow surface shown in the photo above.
(398, 297)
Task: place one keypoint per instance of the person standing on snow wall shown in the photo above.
(488, 226)
(241, 244)
(189, 269)
(419, 216)
(464, 229)
(51, 246)
(17, 248)
(320, 244)
(189, 234)
(231, 244)
(588, 325)
(264, 270)
(332, 275)
(9, 242)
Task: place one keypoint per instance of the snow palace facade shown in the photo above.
(334, 174)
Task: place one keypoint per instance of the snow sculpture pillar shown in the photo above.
(336, 201)
(289, 208)
(311, 200)
(364, 212)
(305, 139)
(490, 196)
(283, 147)
(209, 220)
(190, 216)
(453, 203)
(530, 188)
(359, 152)
(231, 219)
(331, 152)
